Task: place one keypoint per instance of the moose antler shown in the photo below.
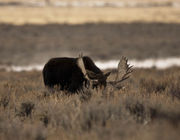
(89, 75)
(124, 71)
(80, 63)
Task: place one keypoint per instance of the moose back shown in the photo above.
(72, 73)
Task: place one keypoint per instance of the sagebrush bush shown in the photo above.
(146, 108)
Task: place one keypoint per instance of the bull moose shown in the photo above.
(72, 74)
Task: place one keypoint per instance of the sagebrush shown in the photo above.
(147, 108)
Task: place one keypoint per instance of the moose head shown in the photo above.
(100, 79)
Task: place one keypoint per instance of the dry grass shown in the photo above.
(149, 108)
(35, 15)
(162, 1)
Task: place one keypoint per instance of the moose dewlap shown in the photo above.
(72, 74)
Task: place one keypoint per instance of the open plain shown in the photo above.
(148, 108)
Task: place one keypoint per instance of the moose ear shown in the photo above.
(107, 74)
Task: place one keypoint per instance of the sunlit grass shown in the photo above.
(35, 15)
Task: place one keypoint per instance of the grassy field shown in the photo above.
(79, 15)
(35, 15)
(159, 1)
(87, 0)
(148, 108)
(39, 33)
(29, 44)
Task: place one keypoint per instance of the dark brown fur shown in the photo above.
(65, 73)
